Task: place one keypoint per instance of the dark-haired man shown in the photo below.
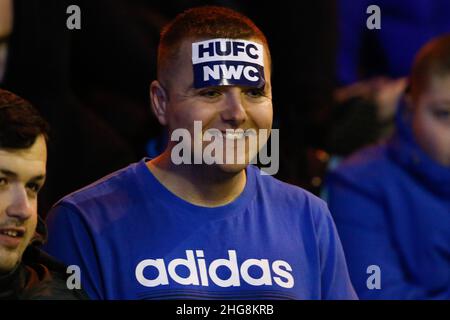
(26, 272)
(199, 222)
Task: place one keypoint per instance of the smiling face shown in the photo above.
(177, 104)
(22, 174)
(431, 119)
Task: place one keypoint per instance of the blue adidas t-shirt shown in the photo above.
(134, 239)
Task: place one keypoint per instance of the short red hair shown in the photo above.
(205, 22)
(432, 60)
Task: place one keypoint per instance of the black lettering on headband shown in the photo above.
(223, 62)
(251, 55)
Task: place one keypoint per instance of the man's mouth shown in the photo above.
(12, 232)
(11, 237)
(234, 134)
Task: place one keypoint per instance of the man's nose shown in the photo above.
(234, 112)
(19, 206)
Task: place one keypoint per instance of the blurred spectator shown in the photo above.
(364, 114)
(372, 64)
(391, 202)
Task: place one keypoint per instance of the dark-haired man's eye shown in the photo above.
(3, 182)
(34, 187)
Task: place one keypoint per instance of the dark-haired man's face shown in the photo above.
(22, 174)
(431, 119)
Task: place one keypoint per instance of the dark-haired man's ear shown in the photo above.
(159, 100)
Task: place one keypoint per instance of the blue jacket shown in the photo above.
(391, 205)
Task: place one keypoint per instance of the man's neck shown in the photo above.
(201, 185)
(12, 282)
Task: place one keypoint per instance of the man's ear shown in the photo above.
(159, 99)
(409, 101)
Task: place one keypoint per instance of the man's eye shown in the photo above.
(255, 93)
(442, 114)
(210, 93)
(34, 187)
(3, 182)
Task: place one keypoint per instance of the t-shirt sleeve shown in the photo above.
(335, 279)
(70, 241)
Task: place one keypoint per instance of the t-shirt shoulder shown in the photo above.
(289, 197)
(104, 187)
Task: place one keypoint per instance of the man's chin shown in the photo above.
(231, 168)
(8, 261)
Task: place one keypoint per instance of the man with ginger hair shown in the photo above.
(165, 229)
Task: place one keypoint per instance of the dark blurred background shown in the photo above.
(335, 82)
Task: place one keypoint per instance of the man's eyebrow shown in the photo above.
(8, 173)
(12, 174)
(38, 178)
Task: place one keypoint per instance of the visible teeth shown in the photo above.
(240, 134)
(10, 233)
(233, 136)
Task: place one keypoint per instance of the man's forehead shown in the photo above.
(440, 82)
(25, 162)
(437, 90)
(15, 166)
